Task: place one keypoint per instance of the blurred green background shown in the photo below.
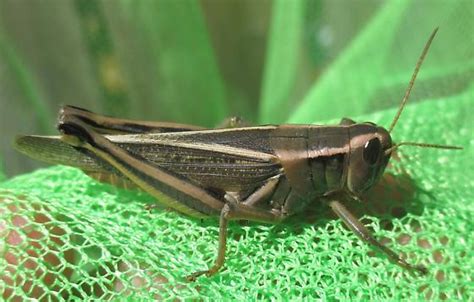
(201, 61)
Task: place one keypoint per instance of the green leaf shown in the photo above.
(185, 79)
(283, 47)
(373, 71)
(26, 84)
(2, 171)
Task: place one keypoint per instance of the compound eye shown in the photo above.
(372, 151)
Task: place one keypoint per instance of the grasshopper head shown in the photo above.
(371, 146)
(368, 156)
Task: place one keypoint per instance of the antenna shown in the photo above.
(413, 78)
(422, 145)
(405, 99)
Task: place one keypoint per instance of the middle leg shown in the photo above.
(235, 210)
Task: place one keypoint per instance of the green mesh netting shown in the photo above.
(67, 236)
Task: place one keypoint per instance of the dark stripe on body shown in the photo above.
(188, 201)
(328, 150)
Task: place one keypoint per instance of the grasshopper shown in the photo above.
(262, 173)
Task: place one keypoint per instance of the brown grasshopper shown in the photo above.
(263, 173)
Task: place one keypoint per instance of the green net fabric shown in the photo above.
(66, 236)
